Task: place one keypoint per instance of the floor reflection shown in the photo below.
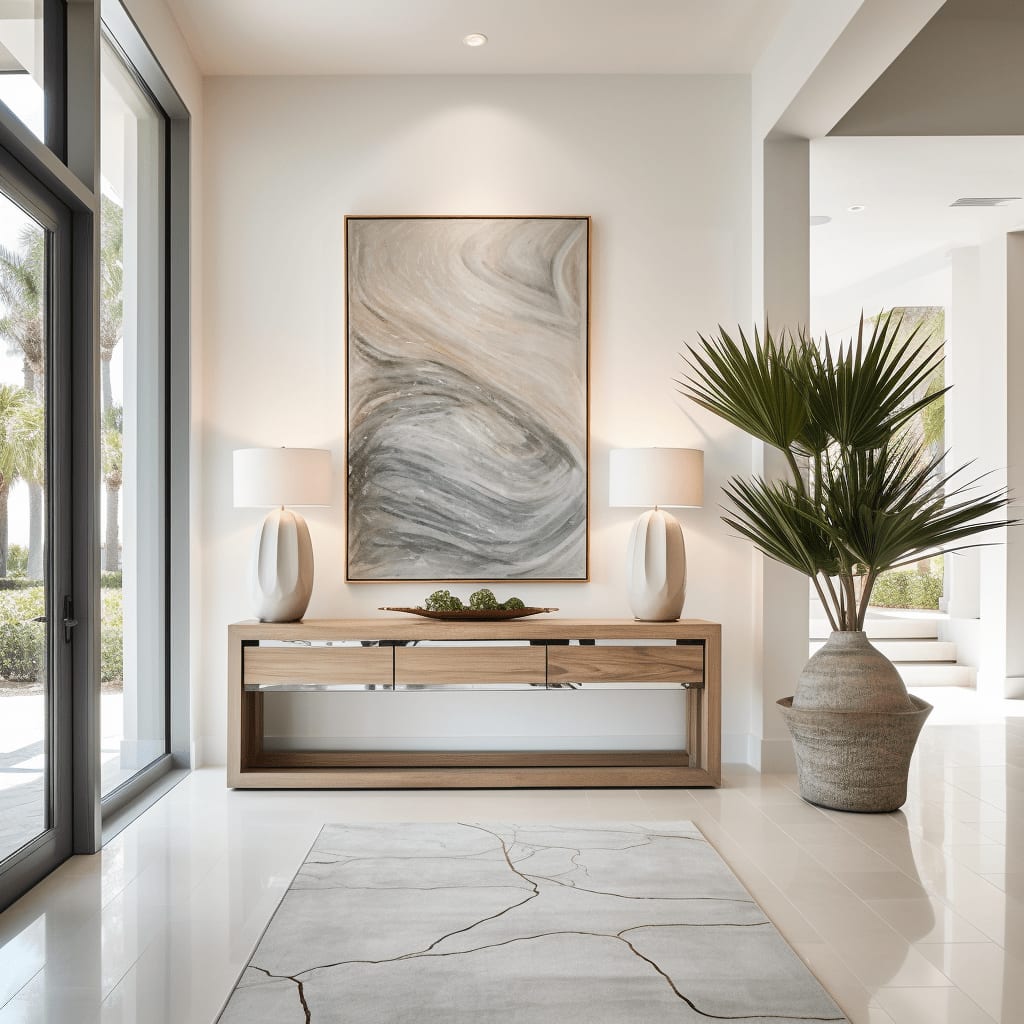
(915, 917)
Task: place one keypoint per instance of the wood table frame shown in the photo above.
(694, 663)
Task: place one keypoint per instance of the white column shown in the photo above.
(985, 420)
(1014, 549)
(781, 594)
(965, 430)
(971, 355)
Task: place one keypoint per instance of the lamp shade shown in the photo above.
(652, 477)
(265, 477)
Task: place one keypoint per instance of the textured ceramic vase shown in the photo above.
(854, 727)
(656, 567)
(281, 575)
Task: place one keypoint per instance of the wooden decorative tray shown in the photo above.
(472, 615)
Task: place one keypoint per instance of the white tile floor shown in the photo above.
(910, 918)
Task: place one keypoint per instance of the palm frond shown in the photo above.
(779, 519)
(864, 391)
(753, 386)
(890, 506)
(878, 497)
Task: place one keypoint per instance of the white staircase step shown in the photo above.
(921, 650)
(936, 673)
(894, 628)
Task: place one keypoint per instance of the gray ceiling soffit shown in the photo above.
(961, 75)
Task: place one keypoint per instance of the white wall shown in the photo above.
(161, 32)
(662, 164)
(925, 282)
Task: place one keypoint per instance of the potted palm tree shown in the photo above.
(864, 495)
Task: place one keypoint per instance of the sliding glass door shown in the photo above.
(94, 431)
(36, 616)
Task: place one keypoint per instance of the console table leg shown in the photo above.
(694, 721)
(711, 720)
(252, 728)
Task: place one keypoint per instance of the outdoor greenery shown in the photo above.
(907, 588)
(21, 409)
(111, 331)
(21, 639)
(22, 420)
(18, 583)
(17, 561)
(903, 588)
(22, 449)
(866, 493)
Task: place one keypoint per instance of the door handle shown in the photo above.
(69, 621)
(69, 618)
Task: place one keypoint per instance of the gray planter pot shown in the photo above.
(854, 727)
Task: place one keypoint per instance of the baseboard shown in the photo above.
(764, 755)
(209, 751)
(739, 748)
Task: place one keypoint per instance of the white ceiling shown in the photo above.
(388, 37)
(906, 186)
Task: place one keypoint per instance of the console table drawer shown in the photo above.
(323, 666)
(633, 664)
(468, 665)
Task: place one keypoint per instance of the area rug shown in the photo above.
(521, 924)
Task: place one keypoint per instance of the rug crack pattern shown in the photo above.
(421, 926)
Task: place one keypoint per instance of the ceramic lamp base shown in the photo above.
(656, 567)
(281, 576)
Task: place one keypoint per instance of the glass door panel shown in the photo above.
(133, 487)
(21, 61)
(27, 684)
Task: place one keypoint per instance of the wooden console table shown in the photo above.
(381, 654)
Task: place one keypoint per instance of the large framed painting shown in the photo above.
(467, 398)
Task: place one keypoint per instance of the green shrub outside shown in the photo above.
(17, 560)
(21, 651)
(22, 641)
(907, 588)
(18, 583)
(111, 636)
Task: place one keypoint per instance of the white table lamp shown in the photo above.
(281, 575)
(656, 557)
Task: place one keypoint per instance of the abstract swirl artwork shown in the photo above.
(467, 398)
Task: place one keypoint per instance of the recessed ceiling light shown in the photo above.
(475, 39)
(856, 208)
(817, 219)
